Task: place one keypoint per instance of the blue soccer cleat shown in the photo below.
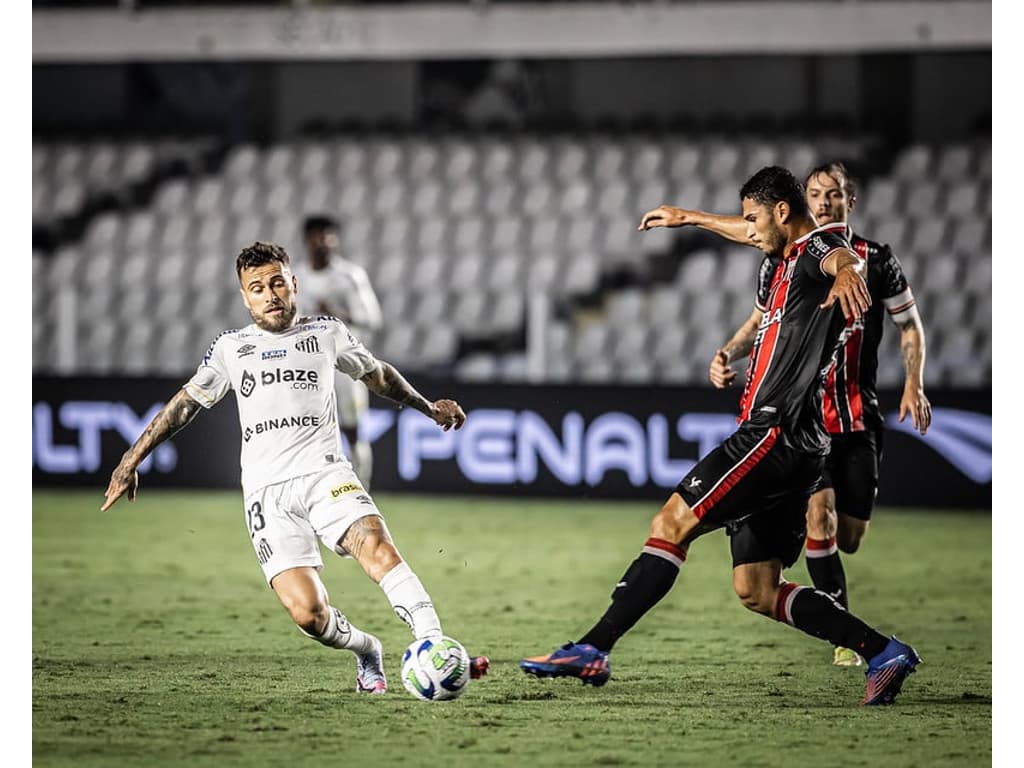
(582, 661)
(887, 671)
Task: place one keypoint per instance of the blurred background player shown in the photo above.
(334, 285)
(839, 512)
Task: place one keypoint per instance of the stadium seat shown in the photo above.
(962, 199)
(882, 198)
(683, 162)
(542, 272)
(353, 199)
(722, 163)
(533, 162)
(438, 345)
(591, 342)
(312, 163)
(385, 162)
(913, 164)
(571, 162)
(278, 164)
(646, 162)
(507, 312)
(972, 236)
(596, 371)
(921, 199)
(954, 163)
(929, 235)
(423, 161)
(477, 367)
(498, 161)
(512, 367)
(469, 311)
(698, 271)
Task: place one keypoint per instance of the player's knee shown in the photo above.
(849, 542)
(851, 533)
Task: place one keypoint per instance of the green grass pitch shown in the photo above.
(156, 642)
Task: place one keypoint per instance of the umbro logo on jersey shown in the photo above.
(245, 350)
(248, 384)
(309, 345)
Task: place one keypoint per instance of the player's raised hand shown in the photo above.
(447, 414)
(123, 480)
(851, 291)
(720, 373)
(664, 216)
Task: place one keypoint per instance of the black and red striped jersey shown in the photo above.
(850, 401)
(796, 344)
(851, 394)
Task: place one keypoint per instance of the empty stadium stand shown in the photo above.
(458, 231)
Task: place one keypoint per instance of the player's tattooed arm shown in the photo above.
(912, 348)
(386, 381)
(175, 415)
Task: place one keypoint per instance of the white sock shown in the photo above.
(362, 462)
(340, 633)
(411, 601)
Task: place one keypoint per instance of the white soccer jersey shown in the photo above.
(284, 388)
(345, 288)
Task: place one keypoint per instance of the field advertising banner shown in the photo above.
(525, 440)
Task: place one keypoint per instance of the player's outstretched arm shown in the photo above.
(912, 347)
(386, 381)
(849, 287)
(720, 373)
(730, 227)
(178, 412)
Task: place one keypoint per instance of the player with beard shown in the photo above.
(839, 512)
(756, 483)
(296, 482)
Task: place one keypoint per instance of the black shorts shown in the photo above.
(851, 470)
(757, 487)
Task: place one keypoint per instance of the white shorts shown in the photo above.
(285, 519)
(353, 400)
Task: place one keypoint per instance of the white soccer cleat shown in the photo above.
(370, 670)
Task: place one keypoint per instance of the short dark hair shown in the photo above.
(833, 169)
(258, 254)
(319, 223)
(774, 184)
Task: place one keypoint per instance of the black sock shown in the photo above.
(645, 582)
(826, 569)
(819, 615)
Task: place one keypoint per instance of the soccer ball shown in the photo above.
(435, 669)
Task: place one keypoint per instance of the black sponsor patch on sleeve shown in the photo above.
(821, 244)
